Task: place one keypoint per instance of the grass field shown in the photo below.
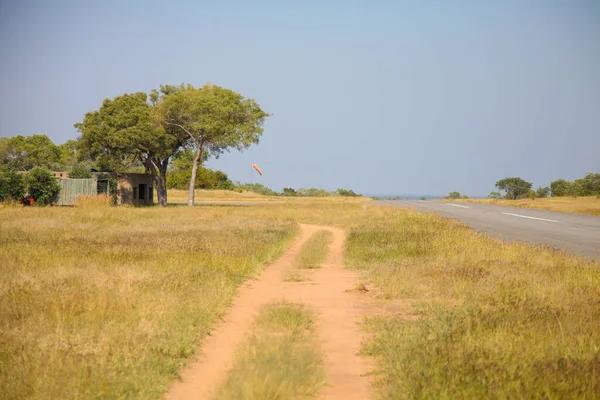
(477, 318)
(580, 205)
(281, 358)
(181, 196)
(110, 302)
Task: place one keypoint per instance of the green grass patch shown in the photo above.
(280, 359)
(315, 250)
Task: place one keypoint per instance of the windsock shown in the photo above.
(257, 169)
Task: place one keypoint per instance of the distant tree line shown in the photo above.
(290, 192)
(456, 195)
(515, 188)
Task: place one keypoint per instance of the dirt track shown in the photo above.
(327, 293)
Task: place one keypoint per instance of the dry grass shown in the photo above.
(181, 196)
(315, 250)
(580, 205)
(110, 302)
(279, 360)
(496, 320)
(93, 201)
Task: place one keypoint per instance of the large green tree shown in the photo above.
(214, 119)
(22, 153)
(124, 132)
(560, 187)
(514, 187)
(591, 184)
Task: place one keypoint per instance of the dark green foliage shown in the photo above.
(494, 195)
(454, 195)
(180, 173)
(290, 192)
(255, 188)
(22, 153)
(514, 187)
(124, 133)
(542, 192)
(346, 193)
(560, 187)
(313, 192)
(42, 185)
(590, 185)
(205, 179)
(80, 171)
(12, 186)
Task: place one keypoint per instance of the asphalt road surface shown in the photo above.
(576, 233)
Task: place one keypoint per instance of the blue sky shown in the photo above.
(412, 97)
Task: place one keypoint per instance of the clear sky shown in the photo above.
(411, 97)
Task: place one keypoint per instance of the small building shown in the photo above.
(132, 188)
(136, 189)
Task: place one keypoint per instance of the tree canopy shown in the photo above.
(22, 153)
(514, 187)
(124, 133)
(213, 119)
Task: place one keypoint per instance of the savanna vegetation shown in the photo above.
(280, 358)
(21, 153)
(579, 196)
(110, 302)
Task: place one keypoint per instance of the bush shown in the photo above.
(42, 185)
(346, 193)
(542, 192)
(256, 188)
(205, 179)
(494, 195)
(12, 186)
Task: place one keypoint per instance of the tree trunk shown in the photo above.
(194, 172)
(161, 189)
(158, 168)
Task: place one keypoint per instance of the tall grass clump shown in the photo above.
(495, 319)
(314, 252)
(280, 359)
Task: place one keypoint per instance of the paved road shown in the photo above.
(576, 233)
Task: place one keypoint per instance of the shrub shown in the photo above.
(346, 193)
(42, 185)
(12, 186)
(542, 192)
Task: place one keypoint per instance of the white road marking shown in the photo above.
(526, 216)
(421, 201)
(456, 205)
